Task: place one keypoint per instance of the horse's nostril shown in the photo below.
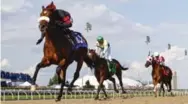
(42, 27)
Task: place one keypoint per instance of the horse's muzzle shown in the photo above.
(42, 28)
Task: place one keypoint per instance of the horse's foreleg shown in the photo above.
(114, 83)
(63, 78)
(163, 90)
(76, 74)
(99, 87)
(58, 72)
(155, 87)
(45, 62)
(104, 92)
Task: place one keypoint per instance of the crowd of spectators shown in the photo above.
(22, 77)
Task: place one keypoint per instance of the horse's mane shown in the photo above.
(99, 60)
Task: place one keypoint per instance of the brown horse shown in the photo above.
(58, 50)
(159, 75)
(102, 72)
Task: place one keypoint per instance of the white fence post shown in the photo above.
(4, 96)
(31, 95)
(38, 94)
(18, 96)
(44, 96)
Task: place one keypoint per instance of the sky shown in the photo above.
(124, 23)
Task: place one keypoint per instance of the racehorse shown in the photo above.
(102, 72)
(58, 50)
(159, 75)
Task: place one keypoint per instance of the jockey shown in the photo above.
(64, 21)
(103, 49)
(159, 59)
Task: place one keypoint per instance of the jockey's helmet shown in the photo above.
(156, 54)
(51, 6)
(100, 38)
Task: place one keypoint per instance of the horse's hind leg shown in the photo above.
(119, 76)
(114, 83)
(76, 74)
(170, 88)
(161, 88)
(45, 62)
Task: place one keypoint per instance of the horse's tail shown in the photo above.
(121, 67)
(88, 62)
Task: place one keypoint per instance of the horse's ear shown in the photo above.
(52, 3)
(149, 53)
(43, 7)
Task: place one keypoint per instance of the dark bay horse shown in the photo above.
(58, 50)
(159, 75)
(102, 72)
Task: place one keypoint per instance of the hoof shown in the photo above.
(171, 94)
(124, 92)
(69, 89)
(105, 98)
(33, 87)
(116, 91)
(96, 98)
(57, 100)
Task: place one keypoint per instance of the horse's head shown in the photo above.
(92, 54)
(149, 61)
(44, 18)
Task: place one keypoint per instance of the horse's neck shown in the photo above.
(155, 67)
(58, 38)
(98, 60)
(47, 39)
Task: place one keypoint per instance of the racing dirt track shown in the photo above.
(134, 100)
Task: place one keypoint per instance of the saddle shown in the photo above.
(165, 70)
(76, 39)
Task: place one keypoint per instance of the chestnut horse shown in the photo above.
(102, 72)
(159, 75)
(58, 50)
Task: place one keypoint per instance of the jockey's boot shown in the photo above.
(111, 66)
